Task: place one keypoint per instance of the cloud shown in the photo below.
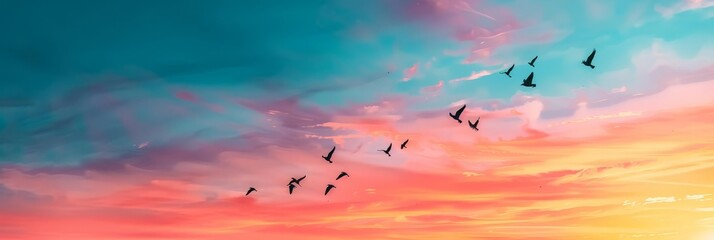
(473, 76)
(619, 90)
(410, 72)
(682, 6)
(434, 88)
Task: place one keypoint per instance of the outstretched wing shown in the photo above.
(534, 59)
(250, 191)
(458, 113)
(291, 188)
(327, 190)
(300, 179)
(511, 68)
(529, 79)
(329, 155)
(590, 58)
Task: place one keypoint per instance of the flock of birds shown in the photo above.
(527, 82)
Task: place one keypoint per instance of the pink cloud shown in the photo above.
(434, 88)
(410, 72)
(683, 6)
(435, 187)
(465, 6)
(619, 90)
(473, 76)
(186, 95)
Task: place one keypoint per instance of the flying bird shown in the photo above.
(475, 124)
(388, 149)
(250, 190)
(290, 188)
(329, 186)
(589, 62)
(533, 61)
(297, 181)
(342, 174)
(458, 114)
(329, 155)
(404, 144)
(508, 72)
(528, 82)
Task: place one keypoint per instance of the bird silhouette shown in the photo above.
(297, 181)
(290, 188)
(508, 72)
(388, 149)
(475, 124)
(329, 187)
(342, 174)
(404, 144)
(458, 114)
(533, 61)
(250, 190)
(329, 155)
(589, 62)
(528, 82)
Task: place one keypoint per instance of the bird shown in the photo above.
(297, 181)
(250, 190)
(475, 124)
(329, 155)
(290, 188)
(404, 144)
(458, 114)
(589, 62)
(329, 186)
(388, 149)
(528, 82)
(533, 61)
(508, 72)
(342, 174)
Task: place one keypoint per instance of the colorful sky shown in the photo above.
(150, 119)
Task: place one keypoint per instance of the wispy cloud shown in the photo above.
(473, 76)
(683, 6)
(410, 72)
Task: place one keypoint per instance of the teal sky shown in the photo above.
(102, 77)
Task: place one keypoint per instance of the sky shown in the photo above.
(151, 119)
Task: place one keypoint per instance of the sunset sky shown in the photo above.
(151, 119)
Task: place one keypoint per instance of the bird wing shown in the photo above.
(529, 79)
(476, 123)
(291, 188)
(534, 59)
(511, 68)
(327, 190)
(300, 179)
(458, 113)
(329, 155)
(389, 148)
(590, 58)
